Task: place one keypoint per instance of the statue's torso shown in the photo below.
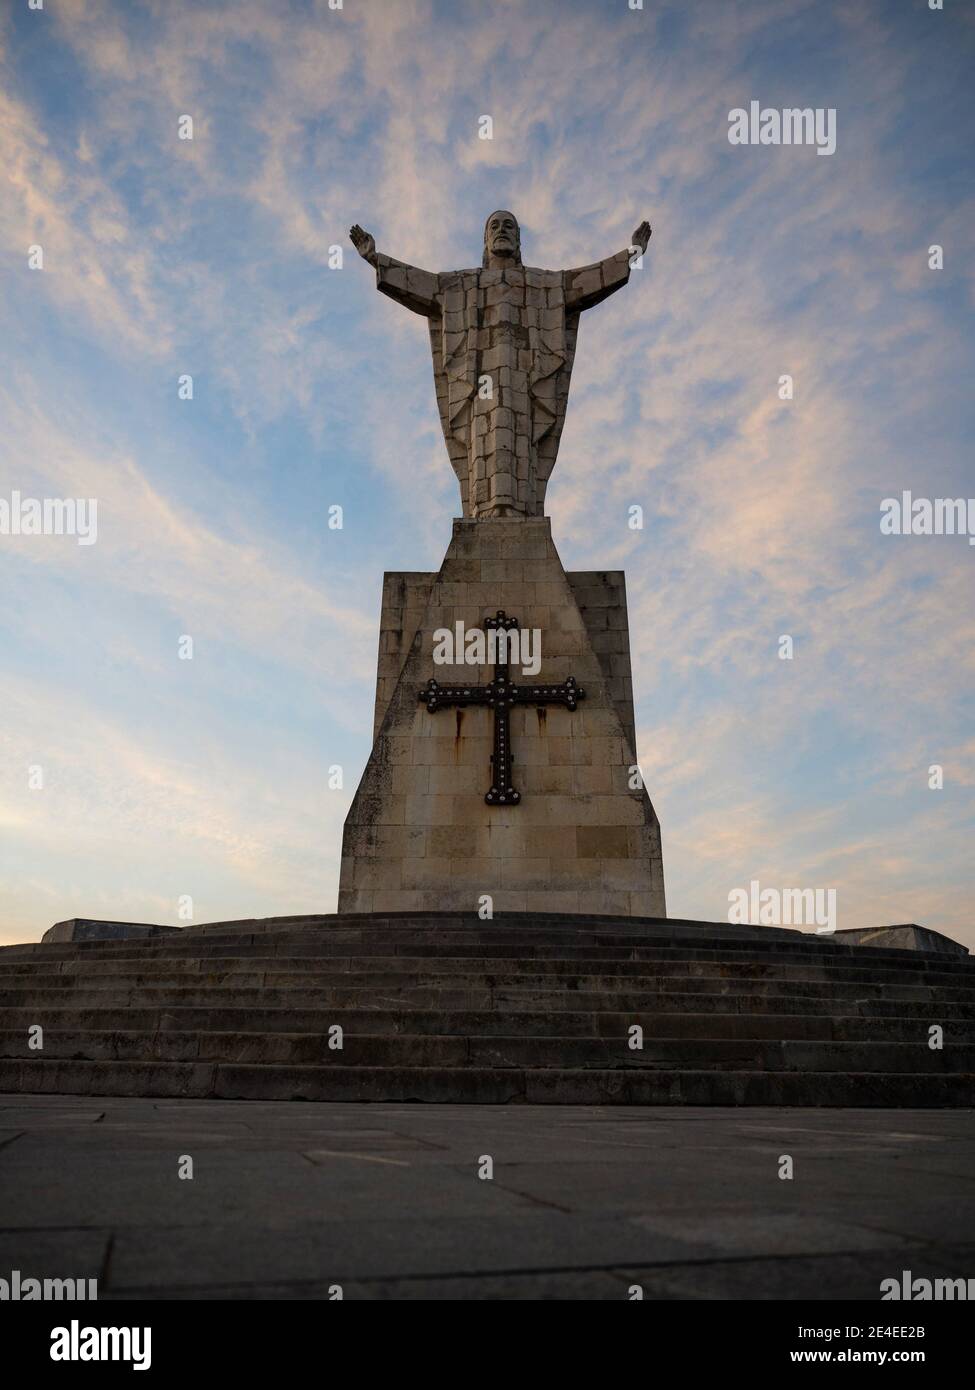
(502, 359)
(503, 344)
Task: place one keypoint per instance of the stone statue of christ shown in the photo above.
(503, 339)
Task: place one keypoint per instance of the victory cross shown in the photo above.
(503, 339)
(501, 695)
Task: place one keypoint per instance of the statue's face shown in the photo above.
(502, 234)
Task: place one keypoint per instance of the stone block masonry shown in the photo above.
(419, 835)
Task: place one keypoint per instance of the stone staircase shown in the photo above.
(526, 1008)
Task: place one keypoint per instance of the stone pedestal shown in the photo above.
(584, 837)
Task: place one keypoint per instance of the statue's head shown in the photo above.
(502, 239)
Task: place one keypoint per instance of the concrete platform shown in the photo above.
(385, 1200)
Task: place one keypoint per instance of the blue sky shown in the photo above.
(209, 777)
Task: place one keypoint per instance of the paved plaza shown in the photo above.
(288, 1199)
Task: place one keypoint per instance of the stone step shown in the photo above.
(519, 924)
(800, 946)
(169, 968)
(526, 1023)
(759, 998)
(636, 980)
(733, 938)
(530, 923)
(487, 932)
(422, 1050)
(487, 1085)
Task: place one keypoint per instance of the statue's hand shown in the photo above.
(641, 237)
(363, 242)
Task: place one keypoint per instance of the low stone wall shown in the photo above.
(88, 929)
(908, 937)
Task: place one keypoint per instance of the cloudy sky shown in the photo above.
(211, 257)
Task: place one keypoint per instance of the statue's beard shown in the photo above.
(502, 245)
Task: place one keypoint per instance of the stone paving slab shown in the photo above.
(288, 1199)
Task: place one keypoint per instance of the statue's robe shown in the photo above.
(503, 344)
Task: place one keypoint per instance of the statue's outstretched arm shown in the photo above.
(416, 289)
(591, 284)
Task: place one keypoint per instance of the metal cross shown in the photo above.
(500, 695)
